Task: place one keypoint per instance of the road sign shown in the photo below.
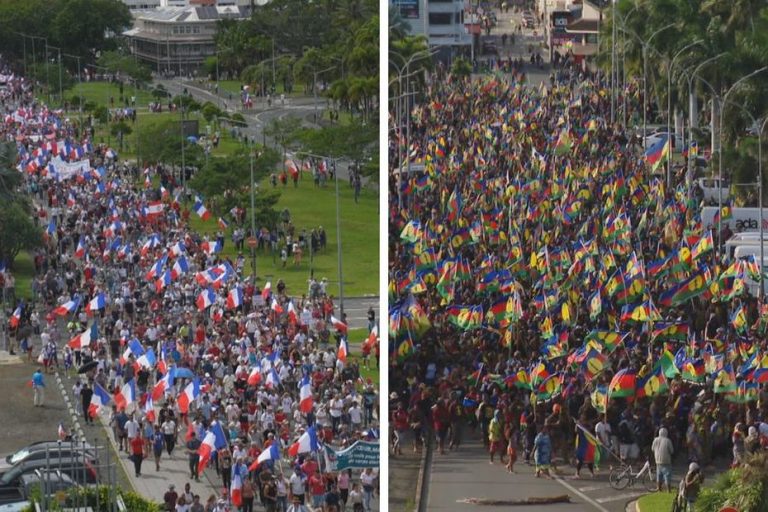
(252, 242)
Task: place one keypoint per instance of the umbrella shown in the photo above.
(192, 138)
(90, 365)
(184, 373)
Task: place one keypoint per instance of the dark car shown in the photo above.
(49, 481)
(489, 48)
(78, 469)
(37, 451)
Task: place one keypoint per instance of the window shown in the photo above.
(196, 29)
(440, 18)
(189, 29)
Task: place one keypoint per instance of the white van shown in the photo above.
(711, 188)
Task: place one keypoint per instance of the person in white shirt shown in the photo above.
(337, 408)
(367, 478)
(132, 428)
(298, 484)
(603, 432)
(356, 416)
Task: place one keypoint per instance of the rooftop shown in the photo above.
(192, 14)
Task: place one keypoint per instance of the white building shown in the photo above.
(444, 22)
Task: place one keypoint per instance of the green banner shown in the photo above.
(360, 455)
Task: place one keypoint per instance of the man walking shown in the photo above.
(193, 445)
(85, 396)
(38, 386)
(662, 453)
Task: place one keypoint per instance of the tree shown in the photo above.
(283, 131)
(82, 25)
(461, 68)
(121, 64)
(354, 141)
(17, 232)
(162, 142)
(10, 177)
(120, 130)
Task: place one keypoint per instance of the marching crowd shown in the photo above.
(185, 352)
(549, 289)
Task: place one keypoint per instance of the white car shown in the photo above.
(711, 188)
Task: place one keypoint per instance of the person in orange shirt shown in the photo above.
(137, 453)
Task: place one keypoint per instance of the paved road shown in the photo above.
(356, 309)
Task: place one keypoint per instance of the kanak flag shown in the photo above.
(343, 350)
(149, 410)
(236, 491)
(126, 395)
(306, 401)
(205, 451)
(15, 318)
(235, 298)
(189, 395)
(99, 399)
(97, 303)
(305, 444)
(164, 384)
(339, 325)
(85, 338)
(80, 251)
(68, 307)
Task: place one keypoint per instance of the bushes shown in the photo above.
(87, 495)
(745, 488)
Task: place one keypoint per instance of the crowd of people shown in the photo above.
(175, 346)
(549, 289)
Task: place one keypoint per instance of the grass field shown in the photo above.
(233, 86)
(101, 92)
(312, 207)
(24, 271)
(655, 502)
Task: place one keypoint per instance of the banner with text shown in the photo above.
(360, 455)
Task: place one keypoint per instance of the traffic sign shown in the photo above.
(252, 242)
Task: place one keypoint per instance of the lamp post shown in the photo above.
(669, 103)
(720, 157)
(614, 27)
(314, 85)
(338, 224)
(645, 44)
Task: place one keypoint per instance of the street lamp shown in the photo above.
(720, 154)
(645, 44)
(623, 20)
(338, 224)
(669, 103)
(314, 85)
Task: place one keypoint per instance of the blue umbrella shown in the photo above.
(184, 373)
(192, 139)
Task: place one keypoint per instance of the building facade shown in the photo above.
(445, 23)
(176, 40)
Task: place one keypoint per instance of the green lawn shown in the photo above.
(24, 271)
(312, 207)
(355, 337)
(101, 92)
(233, 86)
(656, 502)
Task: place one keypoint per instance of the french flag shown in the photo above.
(339, 325)
(223, 224)
(189, 395)
(98, 302)
(85, 338)
(276, 307)
(293, 315)
(134, 349)
(164, 384)
(180, 266)
(15, 318)
(267, 290)
(211, 247)
(178, 249)
(343, 350)
(155, 209)
(71, 201)
(80, 251)
(235, 298)
(164, 192)
(201, 210)
(305, 444)
(99, 399)
(305, 395)
(254, 378)
(161, 366)
(372, 337)
(68, 307)
(125, 395)
(147, 359)
(157, 268)
(273, 380)
(206, 298)
(205, 451)
(271, 453)
(164, 280)
(149, 244)
(236, 491)
(149, 409)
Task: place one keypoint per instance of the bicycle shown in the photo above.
(623, 476)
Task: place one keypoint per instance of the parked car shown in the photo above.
(80, 470)
(489, 48)
(49, 482)
(37, 451)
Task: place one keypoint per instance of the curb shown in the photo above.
(633, 506)
(422, 489)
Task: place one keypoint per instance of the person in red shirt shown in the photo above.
(309, 467)
(317, 489)
(440, 422)
(400, 421)
(137, 453)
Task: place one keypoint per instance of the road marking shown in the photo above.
(580, 494)
(593, 488)
(626, 496)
